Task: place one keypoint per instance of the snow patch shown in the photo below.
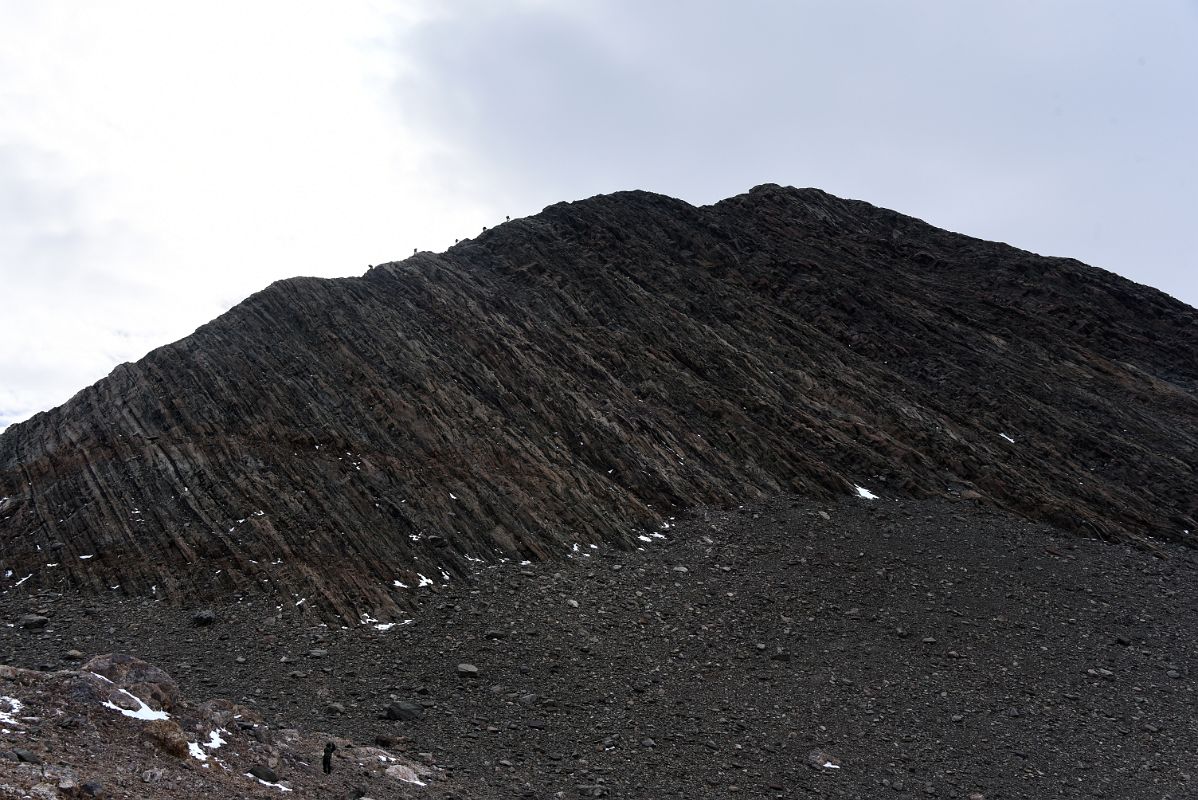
(215, 740)
(264, 783)
(1008, 438)
(143, 711)
(85, 558)
(386, 626)
(865, 493)
(9, 716)
(196, 751)
(423, 581)
(400, 585)
(27, 577)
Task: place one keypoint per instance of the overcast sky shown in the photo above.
(160, 160)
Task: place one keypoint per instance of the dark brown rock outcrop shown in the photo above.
(578, 376)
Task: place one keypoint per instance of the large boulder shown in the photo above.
(145, 681)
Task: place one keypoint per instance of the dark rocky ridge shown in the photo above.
(582, 374)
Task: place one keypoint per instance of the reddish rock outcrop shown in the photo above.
(583, 374)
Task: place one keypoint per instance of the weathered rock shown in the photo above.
(822, 760)
(467, 671)
(166, 735)
(27, 756)
(264, 773)
(203, 618)
(404, 710)
(146, 681)
(402, 772)
(572, 375)
(32, 621)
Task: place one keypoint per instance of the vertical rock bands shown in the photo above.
(581, 375)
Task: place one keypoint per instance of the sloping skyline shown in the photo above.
(160, 162)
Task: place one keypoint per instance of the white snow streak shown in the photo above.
(143, 711)
(865, 493)
(14, 707)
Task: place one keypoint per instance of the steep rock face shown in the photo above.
(578, 376)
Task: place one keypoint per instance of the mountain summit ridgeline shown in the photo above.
(577, 378)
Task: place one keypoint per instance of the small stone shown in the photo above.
(93, 789)
(537, 724)
(264, 773)
(467, 671)
(824, 515)
(1012, 712)
(648, 742)
(404, 710)
(317, 653)
(572, 603)
(204, 617)
(1123, 640)
(928, 640)
(681, 569)
(73, 655)
(334, 708)
(32, 621)
(27, 756)
(152, 775)
(1173, 673)
(822, 760)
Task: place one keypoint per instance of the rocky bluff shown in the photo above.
(581, 376)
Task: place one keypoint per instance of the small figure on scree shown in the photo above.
(327, 761)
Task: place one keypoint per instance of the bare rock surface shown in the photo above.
(793, 648)
(579, 376)
(60, 739)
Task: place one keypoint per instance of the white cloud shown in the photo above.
(161, 161)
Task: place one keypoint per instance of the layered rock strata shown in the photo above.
(580, 376)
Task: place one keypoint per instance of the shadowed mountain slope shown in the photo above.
(576, 377)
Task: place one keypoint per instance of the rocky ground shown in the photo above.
(865, 649)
